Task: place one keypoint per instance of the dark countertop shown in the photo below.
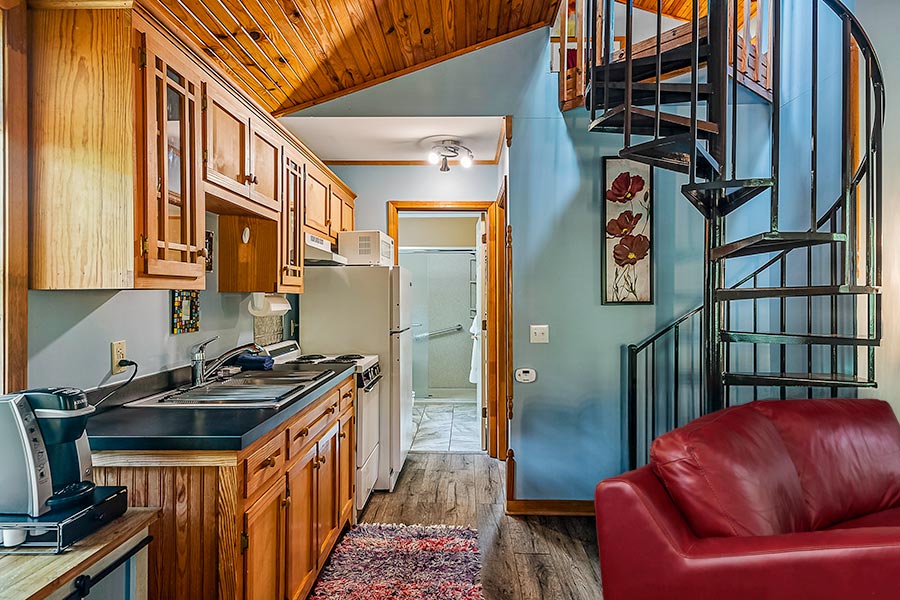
(126, 428)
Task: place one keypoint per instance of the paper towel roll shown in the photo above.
(268, 305)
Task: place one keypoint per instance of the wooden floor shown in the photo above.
(530, 558)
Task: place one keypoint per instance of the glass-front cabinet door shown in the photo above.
(292, 224)
(171, 222)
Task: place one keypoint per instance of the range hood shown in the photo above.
(318, 253)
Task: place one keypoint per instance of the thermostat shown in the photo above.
(526, 375)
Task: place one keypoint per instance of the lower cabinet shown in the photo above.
(302, 549)
(258, 524)
(263, 544)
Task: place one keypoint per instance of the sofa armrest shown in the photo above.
(647, 552)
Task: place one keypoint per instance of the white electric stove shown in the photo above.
(368, 407)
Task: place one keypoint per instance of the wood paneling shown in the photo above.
(290, 54)
(183, 557)
(250, 267)
(82, 60)
(14, 202)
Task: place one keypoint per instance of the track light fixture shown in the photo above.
(445, 151)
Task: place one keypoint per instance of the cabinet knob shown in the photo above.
(331, 409)
(347, 395)
(302, 433)
(322, 460)
(286, 502)
(269, 462)
(251, 179)
(342, 435)
(203, 252)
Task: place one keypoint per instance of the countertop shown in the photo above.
(126, 428)
(31, 577)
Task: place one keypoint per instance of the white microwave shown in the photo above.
(366, 248)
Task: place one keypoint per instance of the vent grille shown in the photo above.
(365, 246)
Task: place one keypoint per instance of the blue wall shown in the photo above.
(567, 430)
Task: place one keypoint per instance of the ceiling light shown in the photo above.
(447, 150)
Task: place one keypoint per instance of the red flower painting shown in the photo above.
(623, 225)
(625, 187)
(631, 249)
(627, 213)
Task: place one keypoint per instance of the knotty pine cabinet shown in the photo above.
(129, 155)
(257, 524)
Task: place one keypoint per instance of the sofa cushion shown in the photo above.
(884, 518)
(847, 454)
(731, 475)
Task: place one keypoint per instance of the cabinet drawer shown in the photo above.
(347, 392)
(263, 466)
(309, 428)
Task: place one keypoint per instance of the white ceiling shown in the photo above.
(394, 139)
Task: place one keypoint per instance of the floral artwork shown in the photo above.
(627, 207)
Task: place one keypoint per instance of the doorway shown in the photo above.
(441, 252)
(475, 332)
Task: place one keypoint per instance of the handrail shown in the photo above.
(431, 334)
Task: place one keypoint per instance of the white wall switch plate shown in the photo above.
(526, 375)
(540, 334)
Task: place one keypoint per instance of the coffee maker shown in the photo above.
(47, 458)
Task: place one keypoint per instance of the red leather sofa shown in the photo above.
(794, 499)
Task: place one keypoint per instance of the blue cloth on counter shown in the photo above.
(253, 362)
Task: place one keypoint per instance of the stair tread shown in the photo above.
(730, 185)
(643, 122)
(671, 153)
(673, 60)
(797, 379)
(775, 241)
(644, 94)
(796, 338)
(786, 292)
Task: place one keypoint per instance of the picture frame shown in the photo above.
(627, 253)
(185, 311)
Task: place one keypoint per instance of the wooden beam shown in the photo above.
(14, 216)
(77, 4)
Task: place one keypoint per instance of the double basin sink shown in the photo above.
(249, 389)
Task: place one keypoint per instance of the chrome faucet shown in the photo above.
(200, 371)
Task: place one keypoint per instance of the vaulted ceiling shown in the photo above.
(290, 54)
(682, 9)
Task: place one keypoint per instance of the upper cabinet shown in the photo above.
(170, 214)
(242, 153)
(130, 155)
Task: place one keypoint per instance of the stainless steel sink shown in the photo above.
(251, 389)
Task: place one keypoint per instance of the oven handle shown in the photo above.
(372, 385)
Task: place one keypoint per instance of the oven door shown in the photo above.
(368, 419)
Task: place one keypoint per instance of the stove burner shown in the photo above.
(349, 357)
(311, 357)
(302, 361)
(343, 361)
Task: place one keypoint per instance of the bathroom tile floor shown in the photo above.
(447, 425)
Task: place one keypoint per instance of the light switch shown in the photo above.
(540, 334)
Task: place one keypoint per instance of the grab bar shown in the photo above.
(453, 329)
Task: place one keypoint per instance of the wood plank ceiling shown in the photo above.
(291, 54)
(682, 9)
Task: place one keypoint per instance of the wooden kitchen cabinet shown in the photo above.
(292, 240)
(170, 214)
(328, 478)
(256, 524)
(347, 220)
(263, 544)
(318, 200)
(347, 466)
(302, 549)
(265, 166)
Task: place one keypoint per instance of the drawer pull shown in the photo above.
(316, 465)
(269, 462)
(302, 433)
(322, 460)
(331, 409)
(286, 502)
(343, 434)
(347, 395)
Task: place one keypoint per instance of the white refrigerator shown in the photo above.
(366, 309)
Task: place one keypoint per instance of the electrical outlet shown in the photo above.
(117, 353)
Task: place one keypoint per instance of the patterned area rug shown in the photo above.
(402, 562)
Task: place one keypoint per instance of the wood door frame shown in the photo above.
(498, 309)
(14, 200)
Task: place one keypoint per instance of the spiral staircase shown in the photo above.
(805, 321)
